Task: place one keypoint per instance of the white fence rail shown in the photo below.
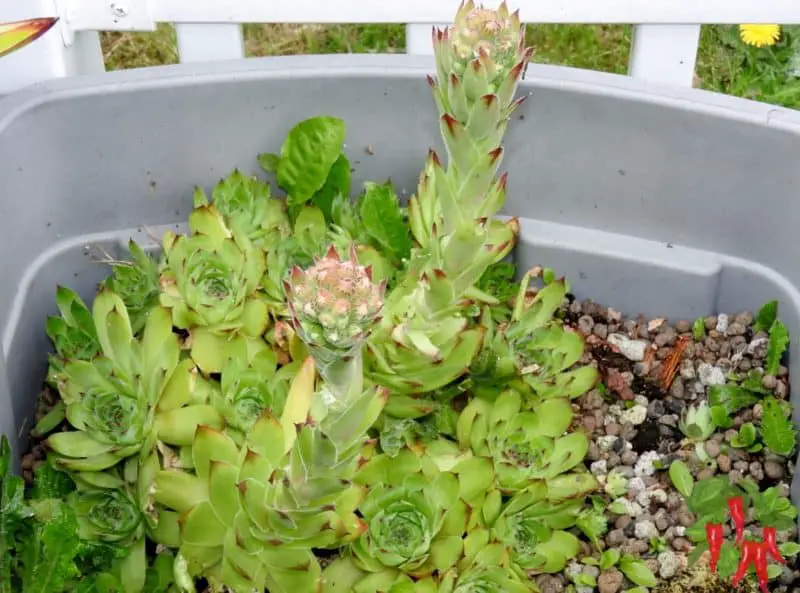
(664, 43)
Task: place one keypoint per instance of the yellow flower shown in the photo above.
(760, 35)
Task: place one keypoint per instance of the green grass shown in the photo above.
(725, 64)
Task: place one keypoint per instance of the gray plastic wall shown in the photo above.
(652, 200)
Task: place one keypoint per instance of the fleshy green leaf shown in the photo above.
(637, 571)
(777, 429)
(307, 155)
(681, 478)
(383, 221)
(778, 341)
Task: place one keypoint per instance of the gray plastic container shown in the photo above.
(656, 201)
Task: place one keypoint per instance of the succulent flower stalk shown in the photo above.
(479, 62)
(334, 306)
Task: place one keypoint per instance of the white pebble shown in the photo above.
(722, 323)
(631, 508)
(669, 562)
(636, 485)
(710, 375)
(659, 496)
(687, 370)
(641, 400)
(645, 530)
(598, 468)
(655, 324)
(680, 530)
(572, 570)
(753, 346)
(614, 410)
(635, 415)
(606, 442)
(630, 349)
(644, 466)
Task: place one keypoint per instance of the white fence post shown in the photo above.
(204, 42)
(418, 38)
(665, 53)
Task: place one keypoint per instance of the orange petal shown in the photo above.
(18, 34)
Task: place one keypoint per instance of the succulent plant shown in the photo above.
(696, 423)
(312, 377)
(134, 392)
(414, 526)
(73, 332)
(210, 282)
(251, 515)
(526, 446)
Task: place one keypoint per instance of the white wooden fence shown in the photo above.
(664, 43)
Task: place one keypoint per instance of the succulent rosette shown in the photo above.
(415, 526)
(248, 390)
(135, 392)
(248, 208)
(136, 281)
(210, 282)
(533, 526)
(72, 332)
(525, 446)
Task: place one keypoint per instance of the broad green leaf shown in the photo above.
(609, 558)
(269, 162)
(383, 221)
(708, 496)
(593, 524)
(774, 509)
(728, 560)
(307, 155)
(777, 430)
(745, 437)
(778, 341)
(585, 580)
(789, 549)
(337, 184)
(731, 397)
(766, 316)
(618, 508)
(720, 417)
(637, 571)
(699, 329)
(681, 478)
